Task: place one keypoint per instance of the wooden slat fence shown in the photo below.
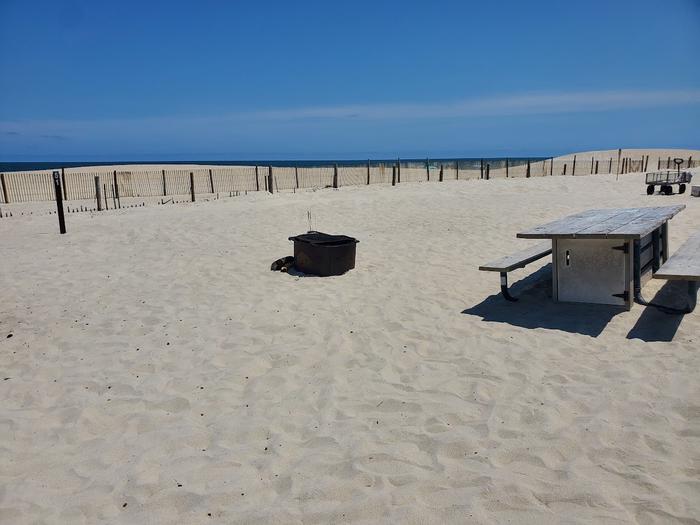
(80, 185)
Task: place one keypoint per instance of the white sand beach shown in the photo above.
(154, 370)
(653, 153)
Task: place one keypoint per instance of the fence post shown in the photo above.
(457, 168)
(59, 202)
(527, 175)
(165, 188)
(296, 175)
(211, 182)
(4, 188)
(482, 169)
(564, 169)
(551, 167)
(257, 181)
(335, 176)
(269, 179)
(427, 169)
(619, 154)
(573, 168)
(592, 161)
(393, 175)
(398, 170)
(368, 166)
(507, 163)
(441, 172)
(98, 192)
(116, 191)
(104, 188)
(488, 171)
(192, 185)
(596, 167)
(63, 181)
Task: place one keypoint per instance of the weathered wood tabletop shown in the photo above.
(616, 223)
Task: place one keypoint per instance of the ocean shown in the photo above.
(466, 163)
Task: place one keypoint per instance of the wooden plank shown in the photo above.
(518, 259)
(632, 223)
(646, 223)
(684, 264)
(613, 222)
(566, 226)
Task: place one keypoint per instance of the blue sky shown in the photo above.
(151, 80)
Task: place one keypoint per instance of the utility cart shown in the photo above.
(666, 180)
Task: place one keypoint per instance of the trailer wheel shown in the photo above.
(650, 189)
(667, 190)
(681, 188)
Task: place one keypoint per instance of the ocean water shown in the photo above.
(464, 163)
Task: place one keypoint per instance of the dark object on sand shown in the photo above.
(283, 264)
(322, 254)
(665, 179)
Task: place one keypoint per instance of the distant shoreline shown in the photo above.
(466, 161)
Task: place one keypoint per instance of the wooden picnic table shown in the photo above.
(601, 256)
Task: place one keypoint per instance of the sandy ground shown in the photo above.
(159, 372)
(636, 153)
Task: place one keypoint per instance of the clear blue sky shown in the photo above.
(127, 80)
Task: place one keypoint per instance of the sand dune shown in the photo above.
(653, 153)
(158, 372)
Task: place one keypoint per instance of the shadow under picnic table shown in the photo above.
(654, 325)
(536, 309)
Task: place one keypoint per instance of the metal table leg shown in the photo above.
(664, 241)
(656, 250)
(504, 288)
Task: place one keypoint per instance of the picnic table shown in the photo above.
(601, 256)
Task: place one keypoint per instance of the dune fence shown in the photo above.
(98, 183)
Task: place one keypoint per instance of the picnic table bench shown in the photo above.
(516, 260)
(684, 265)
(599, 256)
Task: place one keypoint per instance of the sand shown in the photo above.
(636, 153)
(159, 372)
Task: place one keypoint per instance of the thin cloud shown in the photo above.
(496, 106)
(537, 103)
